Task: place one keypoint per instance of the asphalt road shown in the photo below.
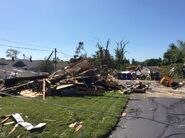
(149, 117)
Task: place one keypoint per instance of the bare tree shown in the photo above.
(12, 53)
(103, 58)
(80, 51)
(120, 53)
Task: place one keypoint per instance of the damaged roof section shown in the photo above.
(22, 68)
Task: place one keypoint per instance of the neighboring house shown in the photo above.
(21, 68)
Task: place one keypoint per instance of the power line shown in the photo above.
(33, 49)
(30, 44)
(59, 51)
(21, 42)
(18, 47)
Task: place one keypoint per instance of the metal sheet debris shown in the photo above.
(26, 125)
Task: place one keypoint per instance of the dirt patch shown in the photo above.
(157, 90)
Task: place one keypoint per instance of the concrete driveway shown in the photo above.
(156, 114)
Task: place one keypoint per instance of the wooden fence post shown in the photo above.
(44, 89)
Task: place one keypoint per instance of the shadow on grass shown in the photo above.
(71, 93)
(38, 130)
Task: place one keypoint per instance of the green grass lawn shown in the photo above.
(98, 114)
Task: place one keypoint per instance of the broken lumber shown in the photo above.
(17, 88)
(72, 70)
(13, 81)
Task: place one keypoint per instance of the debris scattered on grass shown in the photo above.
(50, 120)
(76, 125)
(13, 129)
(18, 120)
(3, 121)
(124, 114)
(9, 123)
(26, 125)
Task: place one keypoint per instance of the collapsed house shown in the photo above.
(80, 76)
(19, 68)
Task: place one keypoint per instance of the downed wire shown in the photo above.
(63, 106)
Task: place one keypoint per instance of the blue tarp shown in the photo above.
(124, 75)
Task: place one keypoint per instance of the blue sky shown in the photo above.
(149, 25)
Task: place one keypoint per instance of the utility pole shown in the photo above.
(55, 59)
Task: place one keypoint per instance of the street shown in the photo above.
(152, 117)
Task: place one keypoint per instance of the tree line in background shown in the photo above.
(175, 54)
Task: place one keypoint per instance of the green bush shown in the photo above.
(178, 74)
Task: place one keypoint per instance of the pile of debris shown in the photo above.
(81, 77)
(133, 86)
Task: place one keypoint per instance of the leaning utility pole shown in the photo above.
(55, 59)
